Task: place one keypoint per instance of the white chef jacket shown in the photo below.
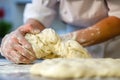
(81, 13)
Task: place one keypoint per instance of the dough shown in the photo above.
(48, 44)
(77, 67)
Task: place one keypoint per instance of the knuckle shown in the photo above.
(27, 46)
(20, 58)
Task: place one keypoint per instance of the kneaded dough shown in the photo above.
(48, 44)
(77, 67)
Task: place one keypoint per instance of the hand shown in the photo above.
(16, 48)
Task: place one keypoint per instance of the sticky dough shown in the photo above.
(48, 44)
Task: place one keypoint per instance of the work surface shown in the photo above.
(11, 71)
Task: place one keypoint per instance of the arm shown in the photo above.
(103, 30)
(100, 32)
(108, 28)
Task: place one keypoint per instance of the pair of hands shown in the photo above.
(16, 48)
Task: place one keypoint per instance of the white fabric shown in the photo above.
(76, 12)
(112, 48)
(82, 12)
(114, 8)
(41, 10)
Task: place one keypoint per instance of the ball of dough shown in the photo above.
(48, 44)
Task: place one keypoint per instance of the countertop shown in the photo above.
(11, 71)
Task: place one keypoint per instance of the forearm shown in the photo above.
(100, 32)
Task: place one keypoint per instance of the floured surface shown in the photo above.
(47, 44)
(7, 67)
(21, 72)
(75, 68)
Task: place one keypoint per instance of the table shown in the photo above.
(11, 71)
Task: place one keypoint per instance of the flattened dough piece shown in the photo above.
(76, 68)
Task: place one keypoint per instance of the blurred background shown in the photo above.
(11, 17)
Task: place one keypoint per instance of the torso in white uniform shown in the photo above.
(80, 13)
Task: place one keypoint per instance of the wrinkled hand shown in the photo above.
(16, 48)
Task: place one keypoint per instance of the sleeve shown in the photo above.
(114, 7)
(41, 10)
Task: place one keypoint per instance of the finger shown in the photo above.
(24, 52)
(18, 58)
(5, 48)
(25, 44)
(0, 49)
(10, 59)
(4, 42)
(29, 28)
(24, 29)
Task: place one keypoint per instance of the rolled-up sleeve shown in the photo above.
(41, 10)
(114, 7)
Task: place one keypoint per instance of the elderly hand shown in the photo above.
(16, 48)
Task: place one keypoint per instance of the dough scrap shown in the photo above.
(48, 44)
(77, 68)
